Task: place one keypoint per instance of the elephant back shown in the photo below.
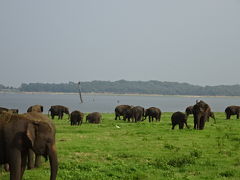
(94, 117)
(35, 108)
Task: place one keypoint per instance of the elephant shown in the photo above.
(94, 117)
(189, 110)
(211, 114)
(35, 108)
(136, 113)
(232, 110)
(21, 132)
(76, 118)
(16, 111)
(58, 110)
(152, 113)
(180, 119)
(2, 109)
(201, 112)
(33, 160)
(121, 110)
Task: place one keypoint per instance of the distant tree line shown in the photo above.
(135, 87)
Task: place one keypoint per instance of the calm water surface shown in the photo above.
(107, 103)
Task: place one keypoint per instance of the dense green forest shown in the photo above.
(135, 87)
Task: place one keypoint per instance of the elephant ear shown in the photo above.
(31, 133)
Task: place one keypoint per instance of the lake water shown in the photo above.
(107, 103)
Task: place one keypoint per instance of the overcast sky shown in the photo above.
(193, 41)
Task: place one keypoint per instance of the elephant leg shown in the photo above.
(195, 124)
(37, 161)
(237, 115)
(186, 124)
(15, 164)
(173, 126)
(23, 162)
(229, 116)
(30, 157)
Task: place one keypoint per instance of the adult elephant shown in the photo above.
(189, 110)
(35, 108)
(14, 111)
(201, 111)
(232, 110)
(152, 113)
(21, 132)
(121, 110)
(76, 118)
(136, 113)
(2, 109)
(33, 160)
(59, 111)
(180, 119)
(94, 117)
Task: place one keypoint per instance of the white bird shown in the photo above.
(117, 126)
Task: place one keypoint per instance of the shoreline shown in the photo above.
(117, 94)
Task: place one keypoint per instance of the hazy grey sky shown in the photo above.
(194, 41)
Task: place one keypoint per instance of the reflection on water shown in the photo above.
(107, 103)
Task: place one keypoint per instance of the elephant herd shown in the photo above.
(137, 113)
(75, 117)
(32, 134)
(201, 113)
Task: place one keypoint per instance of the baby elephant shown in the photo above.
(76, 118)
(180, 119)
(94, 117)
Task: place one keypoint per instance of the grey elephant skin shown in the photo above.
(76, 118)
(179, 118)
(232, 110)
(152, 113)
(21, 132)
(58, 110)
(94, 117)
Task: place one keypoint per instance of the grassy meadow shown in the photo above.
(144, 150)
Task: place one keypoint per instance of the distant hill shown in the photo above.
(6, 88)
(134, 87)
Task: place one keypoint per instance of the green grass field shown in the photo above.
(144, 151)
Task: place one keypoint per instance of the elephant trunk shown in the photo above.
(53, 162)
